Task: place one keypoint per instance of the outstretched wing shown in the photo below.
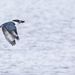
(8, 36)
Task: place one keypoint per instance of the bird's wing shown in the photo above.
(13, 33)
(8, 36)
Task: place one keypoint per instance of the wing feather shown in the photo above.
(14, 35)
(8, 36)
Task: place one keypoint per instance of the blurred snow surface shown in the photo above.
(47, 39)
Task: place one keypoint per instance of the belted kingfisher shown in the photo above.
(10, 31)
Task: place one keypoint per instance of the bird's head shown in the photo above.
(18, 21)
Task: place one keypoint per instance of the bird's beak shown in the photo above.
(22, 21)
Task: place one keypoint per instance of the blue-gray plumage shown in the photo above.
(10, 31)
(10, 26)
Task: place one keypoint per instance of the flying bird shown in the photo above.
(10, 31)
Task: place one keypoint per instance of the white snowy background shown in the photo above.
(47, 38)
